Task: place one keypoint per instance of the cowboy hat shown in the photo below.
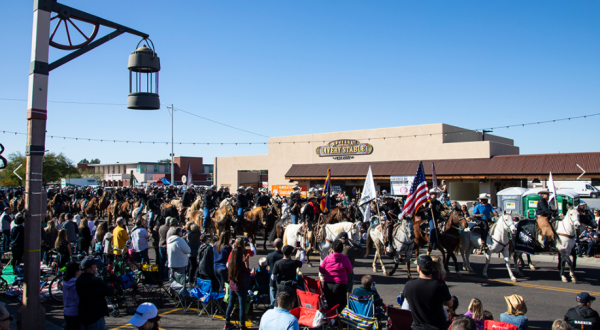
(311, 195)
(433, 191)
(544, 191)
(484, 196)
(516, 305)
(388, 195)
(241, 188)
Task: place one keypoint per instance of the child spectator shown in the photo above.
(488, 315)
(366, 289)
(452, 310)
(476, 313)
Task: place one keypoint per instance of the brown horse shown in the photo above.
(123, 211)
(91, 207)
(223, 218)
(251, 219)
(268, 222)
(449, 240)
(420, 239)
(335, 215)
(103, 204)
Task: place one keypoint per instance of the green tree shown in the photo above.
(95, 161)
(84, 161)
(55, 167)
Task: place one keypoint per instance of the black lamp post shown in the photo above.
(143, 67)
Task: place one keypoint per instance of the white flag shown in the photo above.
(552, 188)
(368, 213)
(368, 193)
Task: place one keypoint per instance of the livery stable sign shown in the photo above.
(344, 149)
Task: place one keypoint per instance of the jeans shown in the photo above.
(151, 215)
(139, 210)
(241, 299)
(294, 219)
(206, 218)
(6, 240)
(221, 277)
(273, 296)
(590, 246)
(178, 275)
(163, 271)
(432, 234)
(240, 215)
(141, 256)
(99, 325)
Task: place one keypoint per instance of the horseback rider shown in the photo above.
(241, 203)
(250, 196)
(188, 198)
(262, 199)
(311, 210)
(433, 206)
(87, 196)
(99, 191)
(545, 215)
(225, 194)
(295, 205)
(119, 199)
(220, 192)
(482, 214)
(153, 208)
(210, 203)
(391, 210)
(141, 195)
(160, 195)
(171, 192)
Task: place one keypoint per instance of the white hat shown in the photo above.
(433, 191)
(144, 312)
(484, 196)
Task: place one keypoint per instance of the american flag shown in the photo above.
(418, 194)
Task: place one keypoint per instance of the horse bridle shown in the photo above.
(405, 232)
(459, 219)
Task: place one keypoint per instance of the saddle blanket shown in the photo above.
(526, 236)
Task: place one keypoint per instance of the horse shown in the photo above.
(403, 243)
(168, 210)
(139, 216)
(223, 217)
(268, 222)
(103, 203)
(334, 216)
(122, 211)
(251, 220)
(449, 240)
(196, 205)
(567, 233)
(91, 207)
(498, 241)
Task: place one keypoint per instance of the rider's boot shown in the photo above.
(429, 248)
(484, 246)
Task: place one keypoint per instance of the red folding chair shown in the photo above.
(311, 314)
(497, 325)
(313, 285)
(399, 319)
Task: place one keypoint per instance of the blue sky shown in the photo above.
(283, 68)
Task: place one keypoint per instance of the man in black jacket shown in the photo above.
(241, 204)
(544, 216)
(583, 317)
(17, 241)
(210, 203)
(92, 292)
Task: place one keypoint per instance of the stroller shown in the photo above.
(120, 297)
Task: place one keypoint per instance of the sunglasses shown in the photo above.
(9, 318)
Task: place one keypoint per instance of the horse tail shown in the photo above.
(369, 243)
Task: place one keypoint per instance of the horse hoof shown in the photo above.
(485, 275)
(385, 273)
(309, 265)
(564, 279)
(374, 270)
(574, 280)
(514, 279)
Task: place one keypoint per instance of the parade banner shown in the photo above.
(525, 237)
(401, 184)
(552, 189)
(286, 190)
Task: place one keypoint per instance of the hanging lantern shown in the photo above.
(143, 67)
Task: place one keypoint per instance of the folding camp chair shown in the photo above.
(359, 313)
(152, 288)
(497, 325)
(261, 287)
(207, 299)
(311, 313)
(399, 319)
(182, 296)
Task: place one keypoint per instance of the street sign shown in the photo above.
(183, 179)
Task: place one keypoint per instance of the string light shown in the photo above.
(308, 142)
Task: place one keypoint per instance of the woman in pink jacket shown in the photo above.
(335, 269)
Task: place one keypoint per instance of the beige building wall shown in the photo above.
(422, 142)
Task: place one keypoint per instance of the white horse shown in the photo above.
(292, 235)
(565, 241)
(498, 241)
(403, 243)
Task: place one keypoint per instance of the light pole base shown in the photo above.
(31, 317)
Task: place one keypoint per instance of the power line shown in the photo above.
(308, 142)
(120, 104)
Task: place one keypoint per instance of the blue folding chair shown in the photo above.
(209, 302)
(359, 313)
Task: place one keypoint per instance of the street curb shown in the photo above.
(552, 258)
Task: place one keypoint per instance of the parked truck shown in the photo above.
(582, 187)
(78, 182)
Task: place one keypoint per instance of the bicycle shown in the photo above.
(125, 265)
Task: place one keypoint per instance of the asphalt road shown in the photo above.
(547, 298)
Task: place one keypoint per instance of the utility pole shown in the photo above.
(172, 148)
